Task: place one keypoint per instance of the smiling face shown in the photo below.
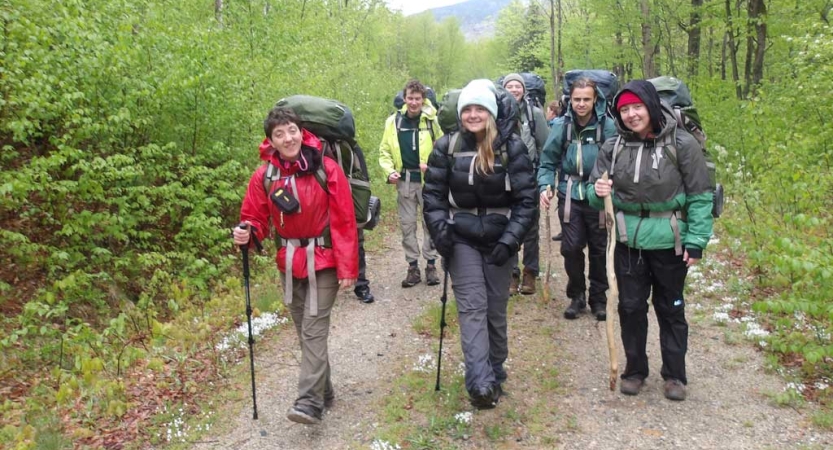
(414, 100)
(286, 139)
(635, 116)
(515, 88)
(474, 118)
(582, 100)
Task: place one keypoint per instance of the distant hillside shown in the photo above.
(477, 17)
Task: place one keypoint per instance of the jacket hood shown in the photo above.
(311, 155)
(648, 94)
(428, 109)
(600, 107)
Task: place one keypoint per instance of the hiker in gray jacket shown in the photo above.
(534, 132)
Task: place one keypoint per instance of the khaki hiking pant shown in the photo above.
(408, 198)
(314, 379)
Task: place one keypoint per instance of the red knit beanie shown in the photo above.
(627, 98)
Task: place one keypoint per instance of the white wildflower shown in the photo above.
(463, 417)
(383, 445)
(425, 363)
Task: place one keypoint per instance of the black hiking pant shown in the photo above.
(638, 273)
(583, 231)
(531, 250)
(362, 283)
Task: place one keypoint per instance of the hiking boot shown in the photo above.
(431, 278)
(528, 285)
(484, 398)
(557, 237)
(599, 311)
(304, 414)
(363, 293)
(412, 278)
(631, 386)
(329, 400)
(514, 284)
(674, 390)
(577, 305)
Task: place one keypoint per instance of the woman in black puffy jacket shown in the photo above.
(479, 199)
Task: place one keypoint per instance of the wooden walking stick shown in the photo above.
(610, 224)
(546, 288)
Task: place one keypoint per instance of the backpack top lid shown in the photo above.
(676, 94)
(604, 79)
(326, 118)
(399, 99)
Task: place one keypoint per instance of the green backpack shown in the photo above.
(447, 112)
(676, 94)
(332, 122)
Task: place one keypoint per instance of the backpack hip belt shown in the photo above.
(674, 216)
(312, 292)
(506, 211)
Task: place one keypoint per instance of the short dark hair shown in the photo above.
(279, 115)
(583, 83)
(413, 85)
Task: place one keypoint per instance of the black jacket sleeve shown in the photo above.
(524, 193)
(436, 207)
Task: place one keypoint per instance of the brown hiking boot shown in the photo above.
(674, 390)
(513, 285)
(412, 278)
(528, 285)
(431, 278)
(631, 386)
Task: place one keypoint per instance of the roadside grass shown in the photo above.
(414, 415)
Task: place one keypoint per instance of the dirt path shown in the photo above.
(728, 405)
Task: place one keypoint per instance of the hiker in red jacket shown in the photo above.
(318, 251)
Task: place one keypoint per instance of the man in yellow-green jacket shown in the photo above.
(403, 154)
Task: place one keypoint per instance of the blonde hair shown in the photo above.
(485, 151)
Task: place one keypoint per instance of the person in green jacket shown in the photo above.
(570, 154)
(407, 141)
(663, 200)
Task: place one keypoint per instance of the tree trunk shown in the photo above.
(755, 45)
(560, 66)
(218, 11)
(694, 33)
(733, 49)
(553, 72)
(648, 49)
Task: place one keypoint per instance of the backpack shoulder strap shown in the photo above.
(568, 133)
(271, 174)
(453, 142)
(321, 177)
(398, 121)
(617, 147)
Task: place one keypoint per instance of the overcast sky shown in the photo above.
(414, 6)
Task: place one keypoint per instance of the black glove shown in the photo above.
(444, 244)
(500, 254)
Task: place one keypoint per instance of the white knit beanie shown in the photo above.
(478, 92)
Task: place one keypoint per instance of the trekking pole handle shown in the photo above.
(252, 235)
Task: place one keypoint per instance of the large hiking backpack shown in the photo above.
(447, 111)
(535, 88)
(676, 94)
(606, 81)
(332, 122)
(399, 99)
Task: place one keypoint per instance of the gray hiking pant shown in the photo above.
(408, 198)
(482, 292)
(314, 379)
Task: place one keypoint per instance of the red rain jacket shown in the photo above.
(318, 209)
